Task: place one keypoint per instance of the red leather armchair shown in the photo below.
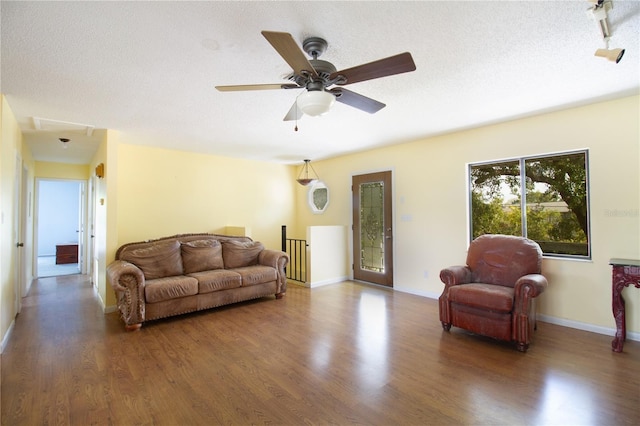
(494, 294)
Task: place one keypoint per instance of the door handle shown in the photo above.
(20, 245)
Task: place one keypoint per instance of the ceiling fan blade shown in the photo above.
(392, 65)
(256, 87)
(294, 113)
(356, 100)
(287, 47)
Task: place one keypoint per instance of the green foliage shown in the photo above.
(556, 200)
(563, 182)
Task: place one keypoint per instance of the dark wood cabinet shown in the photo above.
(66, 253)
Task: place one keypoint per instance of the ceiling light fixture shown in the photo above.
(65, 142)
(599, 12)
(614, 55)
(306, 177)
(315, 102)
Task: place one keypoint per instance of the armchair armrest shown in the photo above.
(128, 282)
(279, 260)
(527, 288)
(530, 286)
(451, 276)
(455, 275)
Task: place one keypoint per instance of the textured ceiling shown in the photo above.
(148, 69)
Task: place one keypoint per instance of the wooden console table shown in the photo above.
(625, 273)
(66, 253)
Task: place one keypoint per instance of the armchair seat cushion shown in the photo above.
(168, 288)
(491, 297)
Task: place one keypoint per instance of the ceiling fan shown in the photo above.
(317, 76)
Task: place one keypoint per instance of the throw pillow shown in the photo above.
(159, 260)
(237, 254)
(201, 255)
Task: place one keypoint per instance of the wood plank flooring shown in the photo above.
(341, 354)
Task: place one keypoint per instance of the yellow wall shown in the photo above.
(164, 192)
(61, 170)
(430, 202)
(12, 153)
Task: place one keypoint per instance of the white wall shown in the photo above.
(327, 255)
(58, 214)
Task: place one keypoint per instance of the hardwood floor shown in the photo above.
(340, 354)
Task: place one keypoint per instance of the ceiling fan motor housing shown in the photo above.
(314, 46)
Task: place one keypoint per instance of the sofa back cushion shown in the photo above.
(201, 255)
(158, 260)
(237, 254)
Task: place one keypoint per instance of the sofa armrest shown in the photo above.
(455, 275)
(279, 260)
(128, 282)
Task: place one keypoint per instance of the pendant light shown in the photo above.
(307, 176)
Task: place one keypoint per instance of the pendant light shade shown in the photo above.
(316, 102)
(307, 174)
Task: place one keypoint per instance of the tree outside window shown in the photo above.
(554, 211)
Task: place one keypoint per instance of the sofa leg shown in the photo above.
(133, 327)
(522, 347)
(446, 326)
(280, 295)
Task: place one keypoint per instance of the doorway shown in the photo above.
(59, 228)
(372, 228)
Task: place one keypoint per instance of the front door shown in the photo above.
(372, 232)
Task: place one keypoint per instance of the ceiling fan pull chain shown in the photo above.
(296, 104)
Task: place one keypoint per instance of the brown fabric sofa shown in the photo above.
(191, 272)
(494, 293)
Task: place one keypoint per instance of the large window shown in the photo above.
(544, 198)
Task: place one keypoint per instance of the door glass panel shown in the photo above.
(372, 226)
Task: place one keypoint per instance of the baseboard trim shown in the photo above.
(427, 294)
(608, 331)
(325, 282)
(7, 336)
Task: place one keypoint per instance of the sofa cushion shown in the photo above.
(217, 279)
(490, 297)
(237, 254)
(201, 255)
(157, 261)
(257, 274)
(168, 288)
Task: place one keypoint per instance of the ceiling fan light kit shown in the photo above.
(315, 103)
(317, 76)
